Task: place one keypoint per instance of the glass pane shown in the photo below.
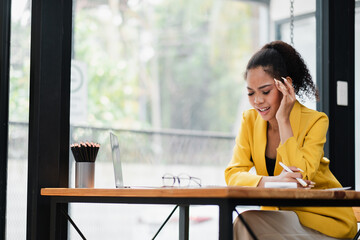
(167, 78)
(162, 64)
(305, 44)
(18, 120)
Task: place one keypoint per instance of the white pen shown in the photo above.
(338, 189)
(300, 180)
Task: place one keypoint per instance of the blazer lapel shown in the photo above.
(295, 116)
(260, 139)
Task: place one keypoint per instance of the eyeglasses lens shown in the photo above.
(168, 180)
(184, 180)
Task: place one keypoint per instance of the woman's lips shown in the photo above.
(263, 111)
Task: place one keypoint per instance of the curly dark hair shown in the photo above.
(280, 59)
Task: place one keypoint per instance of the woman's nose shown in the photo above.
(258, 99)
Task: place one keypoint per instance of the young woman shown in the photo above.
(280, 129)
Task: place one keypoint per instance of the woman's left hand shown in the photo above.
(288, 99)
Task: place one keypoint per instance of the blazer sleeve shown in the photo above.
(237, 172)
(307, 151)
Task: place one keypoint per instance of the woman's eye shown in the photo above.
(250, 93)
(266, 92)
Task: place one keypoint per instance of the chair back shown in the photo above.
(357, 216)
(357, 213)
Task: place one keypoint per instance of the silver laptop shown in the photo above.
(115, 152)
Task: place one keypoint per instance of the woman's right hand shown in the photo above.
(285, 176)
(288, 99)
(289, 176)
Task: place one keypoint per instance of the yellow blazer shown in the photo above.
(305, 151)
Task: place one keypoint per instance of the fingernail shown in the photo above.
(300, 170)
(284, 78)
(313, 183)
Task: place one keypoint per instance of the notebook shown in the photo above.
(115, 152)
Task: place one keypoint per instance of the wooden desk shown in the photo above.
(227, 198)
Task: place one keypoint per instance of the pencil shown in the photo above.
(85, 151)
(300, 180)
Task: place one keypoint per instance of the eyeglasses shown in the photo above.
(183, 180)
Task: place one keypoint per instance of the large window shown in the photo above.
(167, 78)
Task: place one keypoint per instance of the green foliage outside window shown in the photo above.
(156, 64)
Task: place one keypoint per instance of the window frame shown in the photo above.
(5, 10)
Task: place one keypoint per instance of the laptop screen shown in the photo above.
(115, 151)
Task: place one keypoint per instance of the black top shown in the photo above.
(270, 165)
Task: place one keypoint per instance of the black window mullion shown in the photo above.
(5, 20)
(49, 113)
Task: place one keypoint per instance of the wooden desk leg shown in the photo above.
(184, 222)
(226, 221)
